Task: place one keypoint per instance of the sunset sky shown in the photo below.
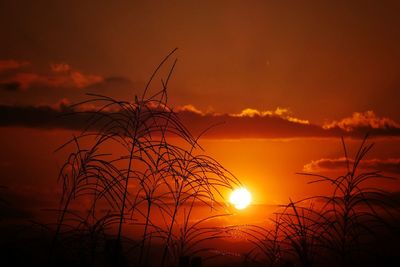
(284, 80)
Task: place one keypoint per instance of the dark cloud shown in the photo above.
(40, 117)
(10, 86)
(280, 123)
(233, 127)
(23, 202)
(222, 126)
(247, 124)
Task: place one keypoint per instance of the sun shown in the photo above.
(240, 198)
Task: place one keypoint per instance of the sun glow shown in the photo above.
(240, 198)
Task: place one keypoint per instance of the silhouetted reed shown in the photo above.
(136, 174)
(355, 211)
(330, 230)
(267, 243)
(126, 167)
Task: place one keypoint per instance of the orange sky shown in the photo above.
(304, 55)
(285, 80)
(267, 167)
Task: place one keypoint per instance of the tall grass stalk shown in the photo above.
(144, 171)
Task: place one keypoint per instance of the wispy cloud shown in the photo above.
(358, 120)
(12, 64)
(249, 123)
(60, 75)
(391, 165)
(226, 126)
(190, 108)
(283, 113)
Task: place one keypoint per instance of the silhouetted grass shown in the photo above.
(356, 211)
(129, 192)
(144, 173)
(340, 229)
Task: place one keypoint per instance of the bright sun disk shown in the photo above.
(240, 198)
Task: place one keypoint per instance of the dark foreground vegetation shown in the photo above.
(129, 194)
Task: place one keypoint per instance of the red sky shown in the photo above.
(286, 78)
